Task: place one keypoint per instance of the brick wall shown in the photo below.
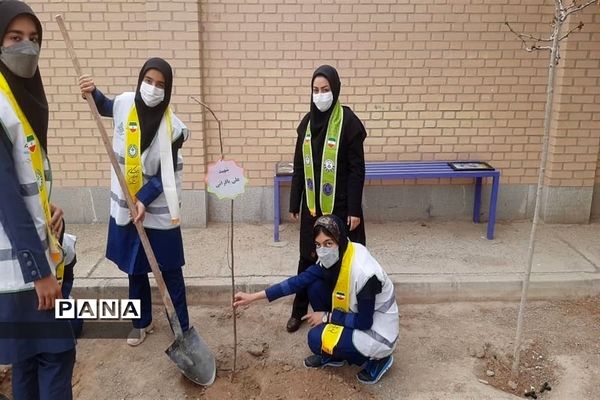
(444, 80)
(113, 38)
(576, 133)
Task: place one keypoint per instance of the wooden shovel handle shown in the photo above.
(171, 314)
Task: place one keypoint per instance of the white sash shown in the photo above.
(167, 171)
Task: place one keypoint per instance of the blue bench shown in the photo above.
(406, 170)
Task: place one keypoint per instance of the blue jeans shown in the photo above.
(45, 376)
(139, 288)
(319, 296)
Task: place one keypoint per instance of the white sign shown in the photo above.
(225, 179)
(97, 309)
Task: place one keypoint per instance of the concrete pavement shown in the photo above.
(428, 261)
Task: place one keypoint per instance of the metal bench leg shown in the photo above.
(477, 201)
(276, 215)
(493, 201)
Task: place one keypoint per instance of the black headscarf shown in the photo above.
(333, 227)
(150, 117)
(318, 119)
(29, 92)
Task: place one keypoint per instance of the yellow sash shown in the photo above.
(133, 155)
(36, 153)
(340, 300)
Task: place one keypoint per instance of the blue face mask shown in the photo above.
(328, 256)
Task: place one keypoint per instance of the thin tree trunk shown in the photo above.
(540, 184)
(233, 293)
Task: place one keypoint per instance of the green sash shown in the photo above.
(328, 164)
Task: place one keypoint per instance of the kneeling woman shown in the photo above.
(355, 316)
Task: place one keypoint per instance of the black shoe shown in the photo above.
(293, 324)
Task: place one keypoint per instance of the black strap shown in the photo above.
(371, 289)
(5, 140)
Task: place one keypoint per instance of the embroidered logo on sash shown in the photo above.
(309, 184)
(133, 127)
(327, 189)
(307, 160)
(331, 142)
(329, 165)
(133, 177)
(30, 145)
(132, 150)
(340, 295)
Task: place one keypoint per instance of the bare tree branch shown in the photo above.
(535, 47)
(577, 28)
(575, 8)
(525, 37)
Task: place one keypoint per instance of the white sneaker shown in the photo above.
(137, 336)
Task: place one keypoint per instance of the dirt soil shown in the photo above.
(446, 351)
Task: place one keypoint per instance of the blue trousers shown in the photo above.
(45, 376)
(139, 288)
(66, 287)
(319, 296)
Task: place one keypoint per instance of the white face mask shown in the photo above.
(328, 256)
(323, 100)
(151, 95)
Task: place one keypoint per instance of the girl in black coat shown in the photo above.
(349, 167)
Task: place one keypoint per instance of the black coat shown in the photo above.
(350, 178)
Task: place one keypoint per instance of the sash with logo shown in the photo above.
(133, 160)
(340, 300)
(133, 155)
(37, 156)
(328, 164)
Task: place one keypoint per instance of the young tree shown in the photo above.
(563, 9)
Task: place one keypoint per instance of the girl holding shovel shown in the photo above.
(146, 140)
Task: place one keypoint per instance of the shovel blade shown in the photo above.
(193, 357)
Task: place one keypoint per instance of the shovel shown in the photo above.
(189, 352)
